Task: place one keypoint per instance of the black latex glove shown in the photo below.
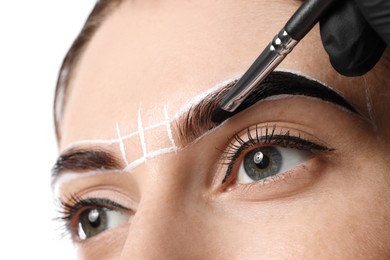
(355, 33)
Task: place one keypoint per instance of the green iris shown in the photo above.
(262, 162)
(92, 222)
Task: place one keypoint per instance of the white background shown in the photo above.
(34, 37)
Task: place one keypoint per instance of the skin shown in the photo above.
(334, 205)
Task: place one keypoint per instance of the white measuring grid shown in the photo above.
(141, 134)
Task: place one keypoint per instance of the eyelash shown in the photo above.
(283, 139)
(70, 210)
(75, 206)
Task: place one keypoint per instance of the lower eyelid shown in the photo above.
(282, 185)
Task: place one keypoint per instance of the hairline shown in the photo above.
(101, 10)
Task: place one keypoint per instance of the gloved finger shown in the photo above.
(377, 13)
(353, 46)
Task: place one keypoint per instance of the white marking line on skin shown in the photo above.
(111, 141)
(131, 166)
(92, 142)
(134, 164)
(141, 133)
(67, 177)
(197, 99)
(321, 82)
(299, 73)
(168, 125)
(128, 136)
(370, 110)
(156, 153)
(161, 151)
(121, 145)
(187, 106)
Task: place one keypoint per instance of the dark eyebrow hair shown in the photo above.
(81, 160)
(197, 120)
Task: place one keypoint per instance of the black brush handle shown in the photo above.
(307, 15)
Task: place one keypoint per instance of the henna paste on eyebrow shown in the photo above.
(197, 120)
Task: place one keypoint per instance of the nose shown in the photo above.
(163, 232)
(170, 222)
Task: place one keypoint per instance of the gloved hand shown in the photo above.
(355, 33)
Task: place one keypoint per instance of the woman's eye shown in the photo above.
(263, 162)
(96, 220)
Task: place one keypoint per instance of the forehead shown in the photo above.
(147, 56)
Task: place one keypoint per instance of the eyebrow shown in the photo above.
(196, 121)
(82, 160)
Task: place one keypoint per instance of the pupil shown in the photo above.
(94, 218)
(262, 161)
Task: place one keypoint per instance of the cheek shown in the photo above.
(353, 227)
(105, 248)
(341, 217)
(325, 231)
(351, 217)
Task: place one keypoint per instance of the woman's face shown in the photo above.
(291, 177)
